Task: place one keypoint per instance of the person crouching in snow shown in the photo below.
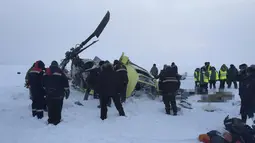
(107, 90)
(170, 86)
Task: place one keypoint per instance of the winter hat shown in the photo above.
(116, 62)
(39, 64)
(243, 66)
(101, 63)
(106, 62)
(54, 63)
(173, 64)
(165, 66)
(252, 68)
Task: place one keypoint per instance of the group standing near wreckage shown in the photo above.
(245, 76)
(208, 76)
(49, 86)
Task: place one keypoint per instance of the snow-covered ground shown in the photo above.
(145, 121)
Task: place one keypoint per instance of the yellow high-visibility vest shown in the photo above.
(217, 75)
(223, 75)
(196, 76)
(206, 78)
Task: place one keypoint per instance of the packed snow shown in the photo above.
(146, 121)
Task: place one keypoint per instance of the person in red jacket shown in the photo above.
(56, 86)
(34, 80)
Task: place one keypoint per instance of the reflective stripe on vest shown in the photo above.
(170, 79)
(206, 78)
(121, 69)
(34, 71)
(48, 72)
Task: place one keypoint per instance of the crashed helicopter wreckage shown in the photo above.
(140, 80)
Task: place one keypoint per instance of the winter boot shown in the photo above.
(103, 117)
(40, 115)
(34, 113)
(175, 114)
(121, 112)
(167, 111)
(86, 96)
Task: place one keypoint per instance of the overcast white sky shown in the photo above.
(188, 32)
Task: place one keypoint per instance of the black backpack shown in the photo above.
(239, 130)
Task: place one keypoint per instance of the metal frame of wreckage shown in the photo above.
(144, 76)
(74, 52)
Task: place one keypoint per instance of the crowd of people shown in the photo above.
(245, 76)
(208, 75)
(49, 86)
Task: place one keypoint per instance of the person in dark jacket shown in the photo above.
(101, 63)
(160, 76)
(175, 68)
(207, 66)
(249, 94)
(248, 98)
(214, 76)
(107, 90)
(232, 75)
(170, 86)
(242, 78)
(26, 77)
(56, 85)
(154, 71)
(37, 92)
(91, 81)
(122, 79)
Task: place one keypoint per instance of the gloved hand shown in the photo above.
(67, 93)
(26, 84)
